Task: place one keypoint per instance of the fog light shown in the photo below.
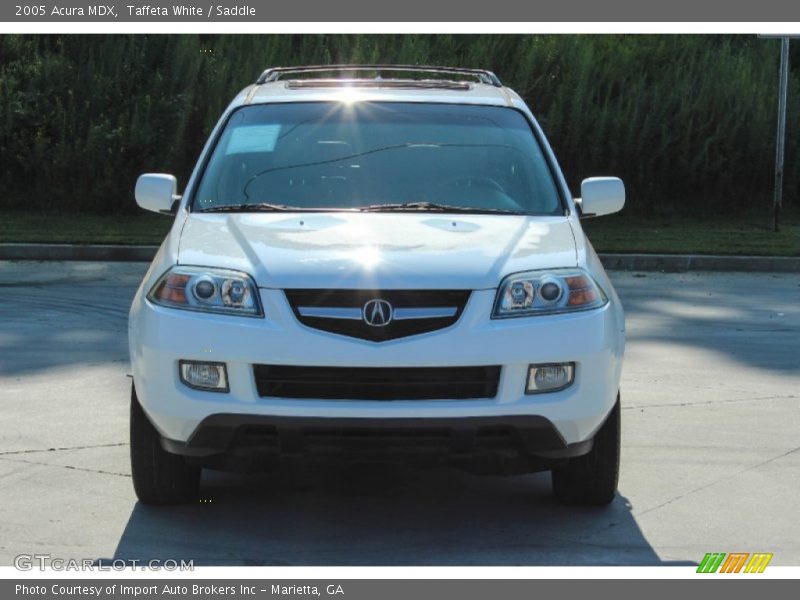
(208, 376)
(549, 378)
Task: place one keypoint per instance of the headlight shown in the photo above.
(547, 292)
(207, 290)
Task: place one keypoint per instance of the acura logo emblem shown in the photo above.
(377, 313)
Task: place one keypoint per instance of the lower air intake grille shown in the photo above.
(377, 383)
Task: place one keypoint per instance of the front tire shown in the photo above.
(158, 477)
(591, 479)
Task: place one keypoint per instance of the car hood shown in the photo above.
(376, 250)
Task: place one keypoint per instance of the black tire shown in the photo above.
(591, 479)
(158, 477)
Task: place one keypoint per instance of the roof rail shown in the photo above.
(481, 75)
(398, 84)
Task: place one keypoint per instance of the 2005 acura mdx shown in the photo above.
(379, 262)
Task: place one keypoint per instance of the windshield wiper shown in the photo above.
(252, 207)
(392, 207)
(432, 207)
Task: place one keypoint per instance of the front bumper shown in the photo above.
(500, 445)
(160, 337)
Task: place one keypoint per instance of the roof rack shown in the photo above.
(397, 84)
(480, 75)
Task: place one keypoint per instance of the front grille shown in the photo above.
(413, 311)
(377, 383)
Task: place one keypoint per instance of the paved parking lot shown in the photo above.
(711, 447)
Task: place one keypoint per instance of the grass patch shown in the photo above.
(732, 235)
(138, 229)
(742, 235)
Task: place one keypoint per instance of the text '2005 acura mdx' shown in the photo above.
(383, 262)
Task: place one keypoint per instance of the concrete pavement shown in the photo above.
(711, 452)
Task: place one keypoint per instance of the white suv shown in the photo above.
(383, 262)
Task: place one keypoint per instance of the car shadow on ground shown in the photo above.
(374, 514)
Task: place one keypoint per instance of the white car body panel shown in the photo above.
(377, 250)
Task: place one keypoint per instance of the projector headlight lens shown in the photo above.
(207, 290)
(547, 292)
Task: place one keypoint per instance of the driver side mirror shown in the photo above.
(157, 192)
(601, 196)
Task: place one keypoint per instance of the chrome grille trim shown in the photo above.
(330, 312)
(398, 314)
(433, 312)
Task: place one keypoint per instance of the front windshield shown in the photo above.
(378, 155)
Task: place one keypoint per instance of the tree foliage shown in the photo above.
(688, 121)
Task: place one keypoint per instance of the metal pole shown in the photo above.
(781, 137)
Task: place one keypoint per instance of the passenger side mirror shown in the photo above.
(601, 196)
(157, 192)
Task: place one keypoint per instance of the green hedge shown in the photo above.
(688, 121)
